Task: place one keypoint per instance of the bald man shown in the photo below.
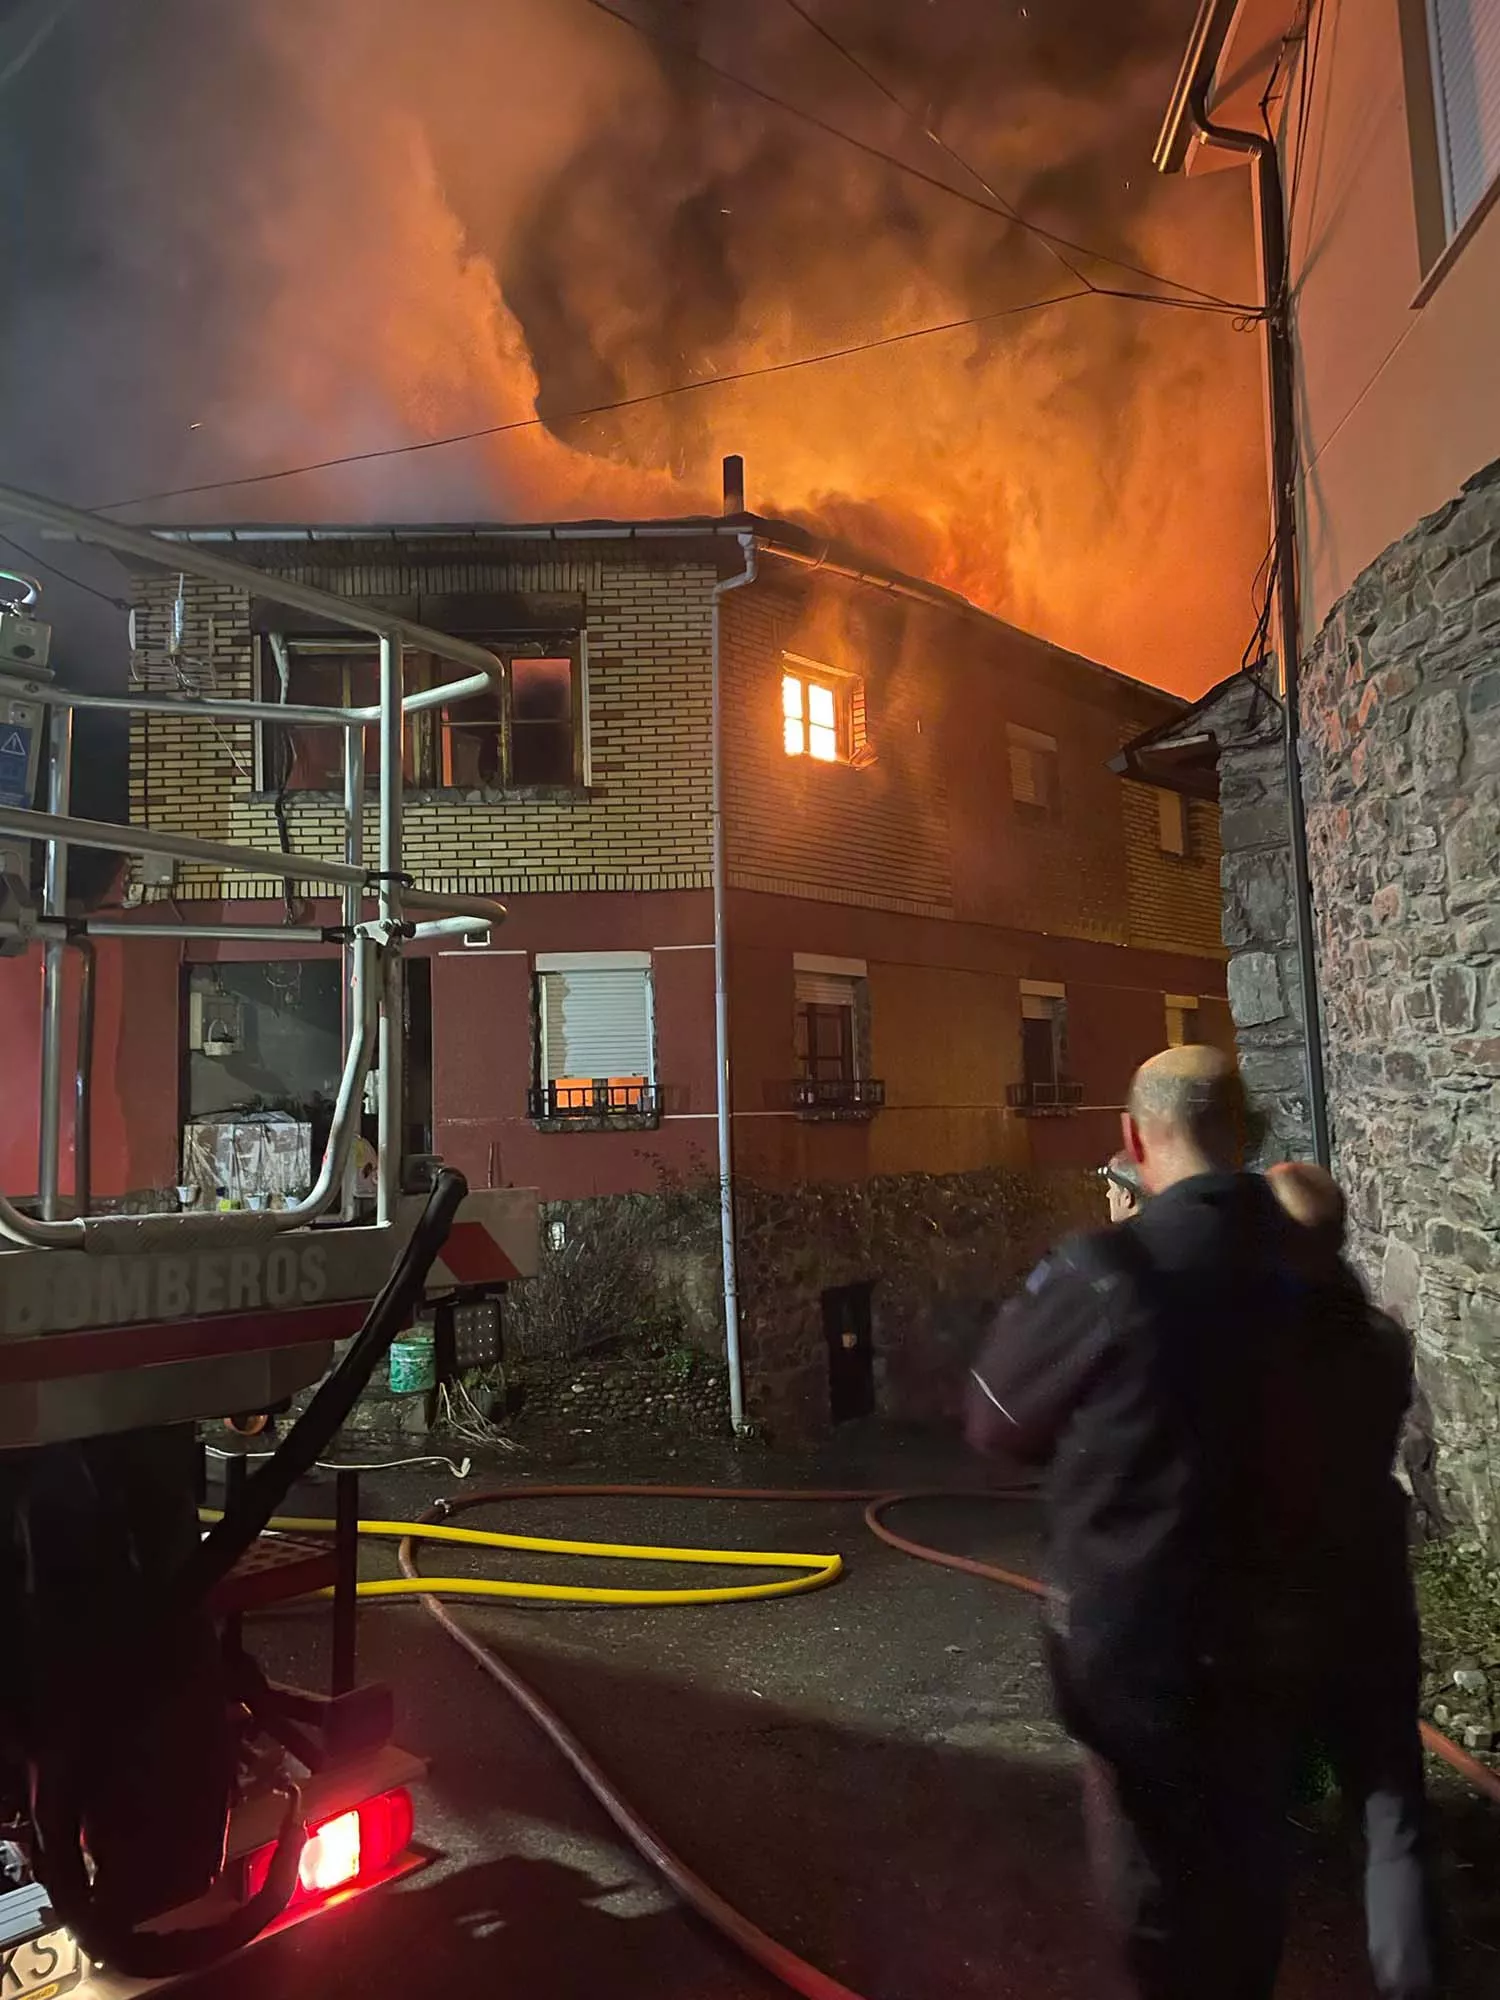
(1157, 1367)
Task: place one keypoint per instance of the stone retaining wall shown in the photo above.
(1401, 727)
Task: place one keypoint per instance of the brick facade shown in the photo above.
(641, 823)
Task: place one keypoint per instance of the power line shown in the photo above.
(1196, 301)
(928, 132)
(63, 576)
(600, 409)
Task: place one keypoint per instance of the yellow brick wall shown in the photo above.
(644, 823)
(1174, 900)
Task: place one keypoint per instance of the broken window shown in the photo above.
(522, 733)
(822, 712)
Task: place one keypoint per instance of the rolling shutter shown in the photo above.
(823, 989)
(1466, 85)
(596, 1023)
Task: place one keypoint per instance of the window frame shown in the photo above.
(1183, 1032)
(847, 692)
(1439, 243)
(630, 1101)
(1174, 828)
(429, 732)
(1034, 744)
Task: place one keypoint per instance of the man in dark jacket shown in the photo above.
(1157, 1368)
(1363, 1671)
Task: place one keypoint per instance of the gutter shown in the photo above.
(724, 1109)
(1180, 127)
(1187, 117)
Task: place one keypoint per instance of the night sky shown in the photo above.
(239, 238)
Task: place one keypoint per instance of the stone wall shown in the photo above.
(939, 1251)
(1265, 983)
(1401, 742)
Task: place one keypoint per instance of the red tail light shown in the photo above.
(344, 1850)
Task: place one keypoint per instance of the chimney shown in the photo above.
(734, 485)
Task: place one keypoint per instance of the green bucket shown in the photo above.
(413, 1363)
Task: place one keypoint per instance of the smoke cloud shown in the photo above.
(294, 229)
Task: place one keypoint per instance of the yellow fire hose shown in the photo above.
(813, 1572)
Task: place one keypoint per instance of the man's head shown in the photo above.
(1185, 1116)
(1312, 1197)
(1122, 1186)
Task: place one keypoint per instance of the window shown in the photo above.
(595, 1058)
(1043, 1020)
(814, 719)
(831, 1002)
(1464, 37)
(1182, 1020)
(1172, 822)
(1033, 772)
(521, 734)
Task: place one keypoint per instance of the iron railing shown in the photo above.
(837, 1096)
(599, 1099)
(1043, 1100)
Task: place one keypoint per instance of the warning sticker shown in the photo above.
(15, 765)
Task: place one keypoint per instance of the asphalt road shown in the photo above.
(870, 1773)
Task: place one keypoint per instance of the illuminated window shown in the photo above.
(1182, 1020)
(815, 717)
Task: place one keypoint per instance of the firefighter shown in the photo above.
(1158, 1366)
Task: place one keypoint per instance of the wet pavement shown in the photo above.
(870, 1773)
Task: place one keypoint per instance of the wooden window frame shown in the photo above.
(430, 732)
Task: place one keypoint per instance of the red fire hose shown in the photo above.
(784, 1965)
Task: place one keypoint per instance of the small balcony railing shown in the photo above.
(836, 1096)
(602, 1101)
(1044, 1100)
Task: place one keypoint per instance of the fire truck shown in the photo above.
(163, 1800)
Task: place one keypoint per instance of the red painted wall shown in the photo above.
(134, 1100)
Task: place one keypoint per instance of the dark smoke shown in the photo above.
(254, 235)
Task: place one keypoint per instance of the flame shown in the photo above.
(475, 214)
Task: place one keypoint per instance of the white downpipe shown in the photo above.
(721, 1002)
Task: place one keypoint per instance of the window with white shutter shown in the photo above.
(1172, 823)
(1465, 44)
(595, 1041)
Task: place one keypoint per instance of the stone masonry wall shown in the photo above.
(1401, 740)
(940, 1250)
(1265, 984)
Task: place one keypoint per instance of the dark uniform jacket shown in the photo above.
(1218, 1412)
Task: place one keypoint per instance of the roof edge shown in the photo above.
(1205, 46)
(776, 537)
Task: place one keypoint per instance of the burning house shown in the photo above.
(949, 932)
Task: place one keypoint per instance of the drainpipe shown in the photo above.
(1281, 377)
(721, 1000)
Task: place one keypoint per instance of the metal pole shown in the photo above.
(390, 1095)
(354, 854)
(725, 1101)
(1281, 377)
(195, 561)
(346, 1579)
(83, 1081)
(54, 904)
